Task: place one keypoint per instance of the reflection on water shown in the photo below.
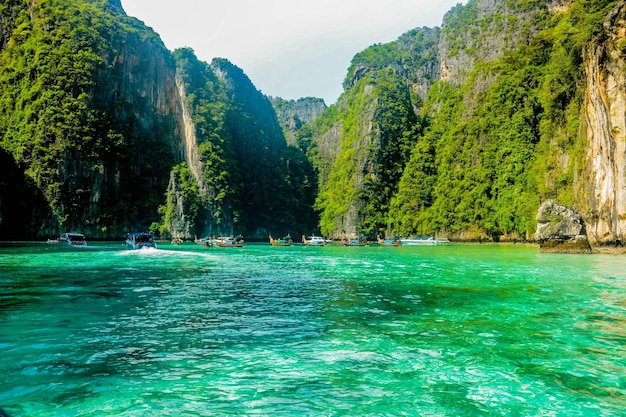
(185, 330)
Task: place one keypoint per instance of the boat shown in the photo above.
(70, 238)
(354, 242)
(423, 240)
(207, 242)
(286, 241)
(390, 242)
(229, 242)
(141, 240)
(313, 241)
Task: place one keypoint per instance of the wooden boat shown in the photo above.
(390, 242)
(354, 242)
(229, 242)
(207, 242)
(141, 240)
(313, 241)
(286, 241)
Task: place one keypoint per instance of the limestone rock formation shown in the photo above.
(561, 229)
(602, 185)
(293, 114)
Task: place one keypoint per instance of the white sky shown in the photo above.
(288, 48)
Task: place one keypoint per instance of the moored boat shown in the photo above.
(313, 240)
(286, 241)
(354, 242)
(207, 242)
(423, 240)
(140, 240)
(229, 242)
(390, 242)
(71, 238)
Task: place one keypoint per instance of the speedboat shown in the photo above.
(140, 240)
(72, 239)
(313, 241)
(423, 240)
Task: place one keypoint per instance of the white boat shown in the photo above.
(72, 239)
(313, 241)
(423, 240)
(140, 240)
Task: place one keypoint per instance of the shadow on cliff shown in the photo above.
(23, 209)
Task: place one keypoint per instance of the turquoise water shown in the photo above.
(457, 330)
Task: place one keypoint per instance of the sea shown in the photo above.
(446, 330)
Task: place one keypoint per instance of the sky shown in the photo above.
(288, 48)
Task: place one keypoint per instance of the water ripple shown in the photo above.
(191, 331)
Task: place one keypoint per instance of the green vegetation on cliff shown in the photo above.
(462, 130)
(378, 131)
(250, 181)
(91, 113)
(61, 125)
(488, 149)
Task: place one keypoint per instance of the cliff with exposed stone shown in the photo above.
(110, 132)
(602, 181)
(561, 229)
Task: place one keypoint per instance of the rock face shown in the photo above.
(112, 121)
(293, 114)
(602, 185)
(561, 229)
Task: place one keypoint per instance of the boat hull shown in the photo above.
(71, 239)
(424, 241)
(313, 241)
(286, 241)
(141, 241)
(229, 242)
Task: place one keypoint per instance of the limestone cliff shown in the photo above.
(294, 114)
(367, 146)
(482, 31)
(94, 121)
(112, 132)
(464, 129)
(561, 229)
(602, 181)
(271, 180)
(498, 92)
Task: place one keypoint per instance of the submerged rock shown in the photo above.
(561, 229)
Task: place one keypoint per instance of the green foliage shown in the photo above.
(59, 124)
(398, 129)
(207, 100)
(248, 175)
(374, 158)
(481, 162)
(480, 157)
(337, 192)
(186, 190)
(415, 190)
(491, 154)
